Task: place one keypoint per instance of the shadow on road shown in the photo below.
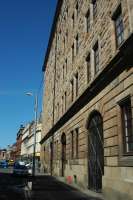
(12, 187)
(49, 188)
(42, 188)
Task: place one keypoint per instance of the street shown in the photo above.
(11, 187)
(49, 188)
(43, 188)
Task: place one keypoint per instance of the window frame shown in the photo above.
(124, 160)
(118, 25)
(96, 58)
(77, 10)
(73, 20)
(126, 102)
(88, 67)
(58, 110)
(87, 21)
(77, 43)
(72, 144)
(76, 84)
(73, 53)
(66, 65)
(65, 98)
(62, 104)
(94, 3)
(72, 90)
(77, 143)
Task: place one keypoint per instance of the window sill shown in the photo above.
(126, 161)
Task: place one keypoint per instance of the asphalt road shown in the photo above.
(11, 187)
(49, 188)
(43, 188)
(8, 170)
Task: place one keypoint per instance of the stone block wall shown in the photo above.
(63, 65)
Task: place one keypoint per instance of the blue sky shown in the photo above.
(24, 33)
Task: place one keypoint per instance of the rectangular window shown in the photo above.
(77, 44)
(63, 72)
(66, 65)
(77, 10)
(76, 78)
(77, 142)
(57, 110)
(62, 104)
(88, 68)
(64, 43)
(67, 36)
(87, 21)
(65, 100)
(73, 20)
(72, 144)
(57, 149)
(72, 90)
(72, 53)
(66, 12)
(127, 127)
(96, 58)
(94, 2)
(119, 28)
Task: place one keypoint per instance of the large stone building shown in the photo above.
(88, 101)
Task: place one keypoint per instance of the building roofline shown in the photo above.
(52, 33)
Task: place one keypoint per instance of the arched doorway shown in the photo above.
(95, 152)
(63, 155)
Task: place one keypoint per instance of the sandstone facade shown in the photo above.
(88, 81)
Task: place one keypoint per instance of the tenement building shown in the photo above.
(87, 132)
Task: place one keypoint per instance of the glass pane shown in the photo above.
(127, 125)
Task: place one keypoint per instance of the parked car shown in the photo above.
(20, 169)
(21, 162)
(29, 166)
(10, 162)
(3, 164)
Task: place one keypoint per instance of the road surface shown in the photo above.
(37, 188)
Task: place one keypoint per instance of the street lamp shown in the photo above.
(35, 125)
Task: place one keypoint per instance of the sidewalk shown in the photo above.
(46, 187)
(86, 191)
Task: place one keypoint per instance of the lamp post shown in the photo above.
(35, 125)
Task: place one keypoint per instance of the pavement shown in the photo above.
(49, 188)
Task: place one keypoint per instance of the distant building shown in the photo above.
(19, 142)
(3, 154)
(13, 152)
(8, 152)
(27, 147)
(25, 140)
(87, 132)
